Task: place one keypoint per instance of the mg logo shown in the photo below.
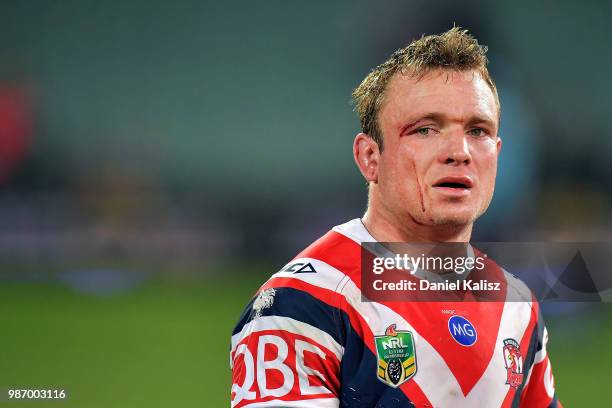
(462, 330)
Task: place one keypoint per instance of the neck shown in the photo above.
(385, 227)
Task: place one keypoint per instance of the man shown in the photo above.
(428, 152)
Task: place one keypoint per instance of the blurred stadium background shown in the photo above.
(159, 159)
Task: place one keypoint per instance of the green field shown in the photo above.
(165, 344)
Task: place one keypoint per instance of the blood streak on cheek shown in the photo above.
(419, 190)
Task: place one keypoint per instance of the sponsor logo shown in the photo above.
(462, 330)
(299, 267)
(279, 365)
(514, 363)
(396, 356)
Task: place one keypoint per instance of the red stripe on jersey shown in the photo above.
(430, 318)
(535, 395)
(410, 388)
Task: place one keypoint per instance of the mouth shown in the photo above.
(457, 186)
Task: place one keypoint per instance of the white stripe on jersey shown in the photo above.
(309, 403)
(292, 326)
(541, 354)
(434, 376)
(491, 388)
(355, 230)
(539, 357)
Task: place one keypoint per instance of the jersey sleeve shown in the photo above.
(286, 351)
(539, 388)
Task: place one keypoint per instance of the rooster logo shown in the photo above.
(514, 363)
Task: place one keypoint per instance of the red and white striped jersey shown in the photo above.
(308, 339)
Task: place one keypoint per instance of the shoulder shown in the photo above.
(327, 262)
(306, 294)
(518, 291)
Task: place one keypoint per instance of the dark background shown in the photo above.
(159, 159)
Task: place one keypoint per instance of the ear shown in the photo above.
(499, 144)
(367, 155)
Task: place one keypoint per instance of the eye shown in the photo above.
(477, 132)
(424, 131)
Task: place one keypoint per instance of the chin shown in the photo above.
(453, 213)
(457, 217)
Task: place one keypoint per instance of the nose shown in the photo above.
(456, 149)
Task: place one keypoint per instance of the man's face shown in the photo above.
(440, 152)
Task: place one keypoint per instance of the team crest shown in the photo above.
(264, 300)
(514, 363)
(396, 356)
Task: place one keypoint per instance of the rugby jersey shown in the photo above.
(309, 339)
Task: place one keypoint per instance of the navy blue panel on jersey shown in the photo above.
(540, 329)
(302, 306)
(534, 341)
(360, 388)
(554, 403)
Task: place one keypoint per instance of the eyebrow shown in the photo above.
(440, 118)
(474, 120)
(436, 117)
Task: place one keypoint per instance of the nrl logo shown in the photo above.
(514, 363)
(396, 356)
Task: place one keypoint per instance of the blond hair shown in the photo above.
(454, 49)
